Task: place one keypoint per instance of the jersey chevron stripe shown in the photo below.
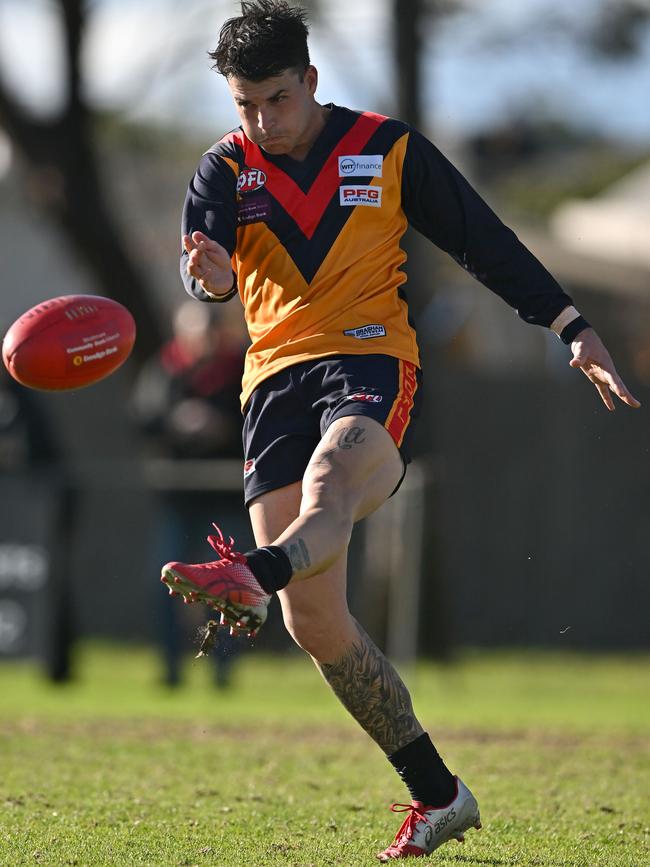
(309, 254)
(269, 299)
(307, 209)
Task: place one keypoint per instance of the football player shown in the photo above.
(300, 211)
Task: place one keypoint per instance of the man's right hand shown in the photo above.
(209, 263)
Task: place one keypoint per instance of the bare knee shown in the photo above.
(336, 520)
(321, 635)
(328, 488)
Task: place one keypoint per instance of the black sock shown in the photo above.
(271, 567)
(426, 776)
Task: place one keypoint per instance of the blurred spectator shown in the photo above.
(187, 396)
(35, 599)
(26, 439)
(186, 400)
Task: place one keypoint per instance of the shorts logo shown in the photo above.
(250, 180)
(366, 332)
(249, 467)
(364, 397)
(362, 165)
(352, 195)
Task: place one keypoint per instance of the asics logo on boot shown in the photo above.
(443, 821)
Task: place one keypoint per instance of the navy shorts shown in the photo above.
(288, 413)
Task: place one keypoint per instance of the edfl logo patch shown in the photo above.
(251, 180)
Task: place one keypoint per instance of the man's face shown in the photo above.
(277, 113)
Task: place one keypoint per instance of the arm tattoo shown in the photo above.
(373, 692)
(298, 554)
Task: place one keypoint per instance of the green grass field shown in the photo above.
(115, 770)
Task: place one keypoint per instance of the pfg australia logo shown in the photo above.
(353, 195)
(251, 180)
(363, 397)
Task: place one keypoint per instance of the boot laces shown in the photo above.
(225, 549)
(408, 826)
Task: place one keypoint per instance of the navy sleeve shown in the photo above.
(443, 206)
(210, 207)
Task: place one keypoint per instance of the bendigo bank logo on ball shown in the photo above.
(251, 180)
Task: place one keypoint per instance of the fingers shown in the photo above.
(630, 400)
(623, 394)
(199, 265)
(198, 237)
(603, 391)
(618, 387)
(608, 384)
(194, 267)
(604, 376)
(198, 243)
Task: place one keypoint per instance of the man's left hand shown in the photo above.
(591, 356)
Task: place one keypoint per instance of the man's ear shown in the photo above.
(311, 78)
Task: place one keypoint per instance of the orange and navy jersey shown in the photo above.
(315, 244)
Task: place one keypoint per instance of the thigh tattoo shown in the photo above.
(351, 436)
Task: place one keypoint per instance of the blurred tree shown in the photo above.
(414, 23)
(63, 178)
(618, 30)
(407, 17)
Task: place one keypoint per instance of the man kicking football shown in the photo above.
(300, 211)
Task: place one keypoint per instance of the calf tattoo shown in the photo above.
(373, 692)
(298, 555)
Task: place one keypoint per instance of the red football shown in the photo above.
(68, 342)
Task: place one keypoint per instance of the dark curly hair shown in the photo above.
(269, 37)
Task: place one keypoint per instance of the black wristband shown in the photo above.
(569, 334)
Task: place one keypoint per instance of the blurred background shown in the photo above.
(524, 520)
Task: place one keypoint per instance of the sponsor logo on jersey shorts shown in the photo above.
(251, 180)
(364, 397)
(353, 195)
(361, 165)
(366, 332)
(249, 467)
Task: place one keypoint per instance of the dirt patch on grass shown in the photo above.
(161, 730)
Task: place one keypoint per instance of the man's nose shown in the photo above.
(265, 119)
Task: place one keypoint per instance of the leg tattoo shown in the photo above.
(298, 555)
(373, 692)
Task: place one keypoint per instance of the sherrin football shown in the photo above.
(68, 342)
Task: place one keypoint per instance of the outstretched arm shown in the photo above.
(439, 202)
(592, 357)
